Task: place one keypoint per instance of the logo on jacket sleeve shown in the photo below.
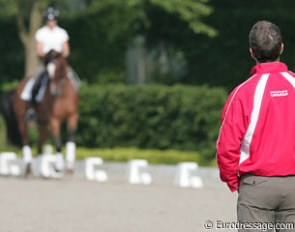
(279, 93)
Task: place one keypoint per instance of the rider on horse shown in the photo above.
(49, 37)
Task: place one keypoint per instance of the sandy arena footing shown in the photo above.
(79, 205)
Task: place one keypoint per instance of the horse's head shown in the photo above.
(56, 67)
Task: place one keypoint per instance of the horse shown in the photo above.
(59, 104)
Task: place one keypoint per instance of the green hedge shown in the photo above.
(159, 117)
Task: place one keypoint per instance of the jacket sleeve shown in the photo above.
(232, 130)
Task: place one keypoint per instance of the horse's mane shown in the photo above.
(7, 111)
(52, 54)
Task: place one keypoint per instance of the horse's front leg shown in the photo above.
(71, 146)
(55, 131)
(27, 151)
(43, 133)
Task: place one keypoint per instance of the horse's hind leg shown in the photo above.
(19, 108)
(23, 129)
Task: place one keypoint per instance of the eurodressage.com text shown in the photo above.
(261, 226)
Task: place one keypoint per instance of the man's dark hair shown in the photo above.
(265, 40)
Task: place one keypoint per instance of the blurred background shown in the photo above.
(155, 73)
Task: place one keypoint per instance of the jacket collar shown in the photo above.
(269, 67)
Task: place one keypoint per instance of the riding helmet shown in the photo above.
(50, 13)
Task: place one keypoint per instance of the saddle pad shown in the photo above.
(26, 94)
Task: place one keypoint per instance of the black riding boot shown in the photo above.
(31, 112)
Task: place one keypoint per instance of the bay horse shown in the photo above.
(59, 104)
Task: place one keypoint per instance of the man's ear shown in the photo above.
(282, 48)
(252, 53)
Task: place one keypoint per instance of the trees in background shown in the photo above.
(111, 23)
(27, 16)
(101, 31)
(224, 60)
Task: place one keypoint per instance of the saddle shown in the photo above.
(39, 87)
(35, 88)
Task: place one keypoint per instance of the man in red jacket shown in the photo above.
(256, 143)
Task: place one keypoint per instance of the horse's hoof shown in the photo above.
(28, 171)
(57, 170)
(69, 172)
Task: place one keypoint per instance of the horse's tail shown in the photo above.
(10, 119)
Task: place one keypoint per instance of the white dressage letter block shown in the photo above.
(8, 164)
(137, 172)
(185, 177)
(47, 169)
(47, 149)
(91, 170)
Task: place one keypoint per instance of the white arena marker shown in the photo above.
(8, 165)
(47, 149)
(185, 177)
(91, 169)
(47, 166)
(137, 172)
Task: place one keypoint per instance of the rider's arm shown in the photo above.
(66, 49)
(39, 49)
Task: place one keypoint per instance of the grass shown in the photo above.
(153, 156)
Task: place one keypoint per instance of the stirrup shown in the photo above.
(31, 114)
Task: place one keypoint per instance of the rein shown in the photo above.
(56, 67)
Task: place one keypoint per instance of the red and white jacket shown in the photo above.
(257, 133)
